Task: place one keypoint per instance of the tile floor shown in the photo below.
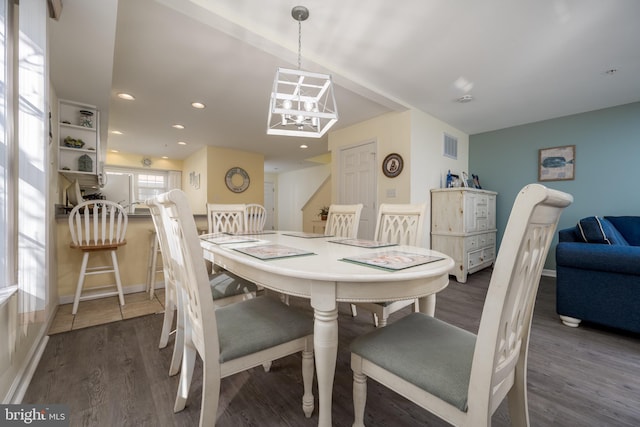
(106, 310)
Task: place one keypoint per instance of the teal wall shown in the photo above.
(607, 161)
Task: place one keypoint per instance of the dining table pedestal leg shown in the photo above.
(325, 342)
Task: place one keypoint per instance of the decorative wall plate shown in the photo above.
(237, 179)
(392, 165)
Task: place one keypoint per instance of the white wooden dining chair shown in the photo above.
(226, 288)
(343, 221)
(98, 226)
(229, 339)
(255, 218)
(401, 224)
(225, 218)
(461, 377)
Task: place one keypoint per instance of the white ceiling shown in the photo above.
(521, 61)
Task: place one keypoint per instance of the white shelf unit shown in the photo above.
(69, 157)
(463, 226)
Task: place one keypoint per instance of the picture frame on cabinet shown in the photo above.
(476, 181)
(466, 182)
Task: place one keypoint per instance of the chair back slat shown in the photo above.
(501, 347)
(255, 217)
(226, 218)
(400, 223)
(343, 220)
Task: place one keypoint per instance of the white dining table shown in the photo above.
(325, 279)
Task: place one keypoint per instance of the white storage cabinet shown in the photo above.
(463, 226)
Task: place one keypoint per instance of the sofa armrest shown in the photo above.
(568, 235)
(592, 256)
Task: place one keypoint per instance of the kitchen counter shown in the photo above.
(132, 257)
(62, 212)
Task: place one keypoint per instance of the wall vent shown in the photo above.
(450, 146)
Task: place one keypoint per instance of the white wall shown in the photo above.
(294, 190)
(428, 165)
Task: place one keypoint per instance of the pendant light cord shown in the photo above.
(299, 44)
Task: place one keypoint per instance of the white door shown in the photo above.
(269, 205)
(357, 184)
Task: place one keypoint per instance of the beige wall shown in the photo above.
(219, 161)
(135, 161)
(197, 196)
(212, 164)
(392, 134)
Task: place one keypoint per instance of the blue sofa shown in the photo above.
(598, 272)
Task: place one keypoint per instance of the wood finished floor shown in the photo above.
(114, 374)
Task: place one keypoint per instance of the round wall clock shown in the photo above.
(392, 165)
(237, 179)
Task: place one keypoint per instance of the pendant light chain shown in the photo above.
(299, 44)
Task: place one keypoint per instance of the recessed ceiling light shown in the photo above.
(198, 105)
(115, 151)
(165, 157)
(116, 132)
(126, 96)
(465, 98)
(178, 126)
(182, 143)
(304, 146)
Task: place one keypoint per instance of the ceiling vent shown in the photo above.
(450, 146)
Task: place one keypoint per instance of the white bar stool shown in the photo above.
(152, 264)
(98, 226)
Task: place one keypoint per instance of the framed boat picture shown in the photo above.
(557, 163)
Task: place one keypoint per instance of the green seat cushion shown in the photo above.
(225, 284)
(424, 351)
(257, 324)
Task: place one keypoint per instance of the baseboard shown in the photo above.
(26, 371)
(132, 289)
(23, 379)
(548, 273)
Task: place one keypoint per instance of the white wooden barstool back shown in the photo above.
(98, 226)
